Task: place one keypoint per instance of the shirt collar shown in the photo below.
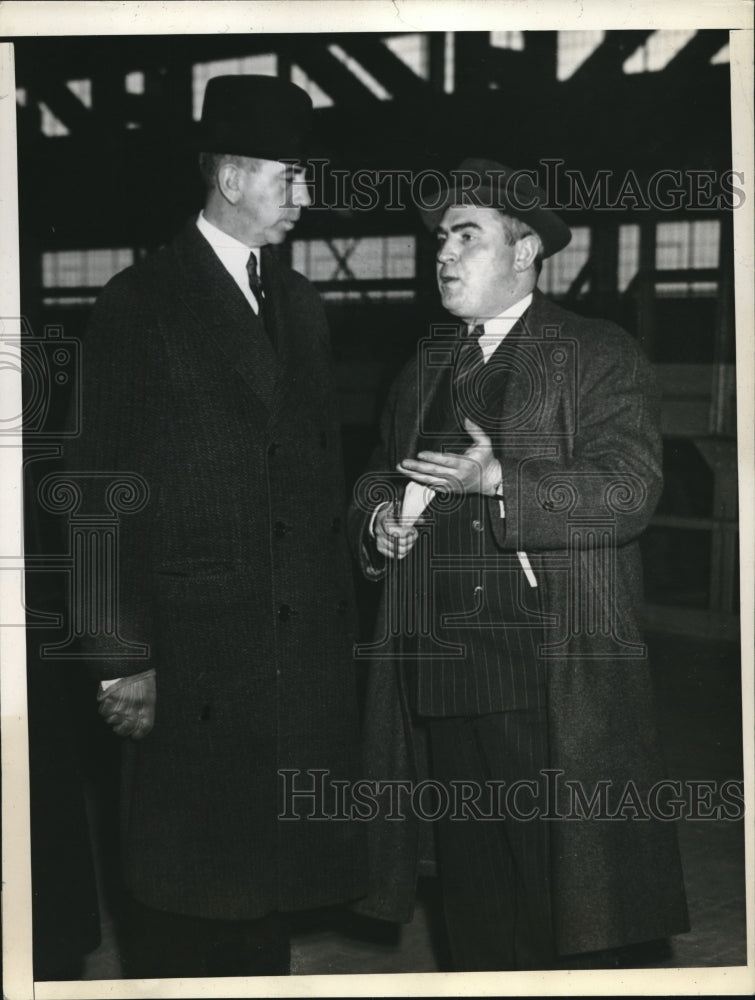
(502, 324)
(225, 246)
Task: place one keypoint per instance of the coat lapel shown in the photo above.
(231, 324)
(516, 394)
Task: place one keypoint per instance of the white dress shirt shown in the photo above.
(233, 255)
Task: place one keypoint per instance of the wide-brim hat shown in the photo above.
(258, 116)
(489, 184)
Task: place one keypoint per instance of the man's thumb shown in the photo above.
(476, 432)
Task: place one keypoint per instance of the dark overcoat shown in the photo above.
(235, 577)
(576, 430)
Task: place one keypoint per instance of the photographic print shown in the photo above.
(376, 422)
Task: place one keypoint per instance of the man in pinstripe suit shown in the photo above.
(498, 418)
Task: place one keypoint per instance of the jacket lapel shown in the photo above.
(429, 423)
(229, 321)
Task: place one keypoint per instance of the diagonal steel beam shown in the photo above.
(391, 71)
(606, 61)
(63, 103)
(697, 53)
(331, 74)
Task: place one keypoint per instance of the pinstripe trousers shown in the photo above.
(494, 872)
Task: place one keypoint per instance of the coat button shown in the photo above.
(335, 525)
(271, 449)
(281, 529)
(285, 611)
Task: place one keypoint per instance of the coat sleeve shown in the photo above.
(613, 470)
(111, 463)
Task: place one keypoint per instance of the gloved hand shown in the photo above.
(129, 704)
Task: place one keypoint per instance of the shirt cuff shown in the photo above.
(376, 511)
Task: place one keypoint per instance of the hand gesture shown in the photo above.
(477, 470)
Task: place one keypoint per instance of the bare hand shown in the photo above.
(129, 704)
(477, 470)
(393, 539)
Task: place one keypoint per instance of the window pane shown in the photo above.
(412, 49)
(83, 268)
(560, 270)
(658, 50)
(573, 48)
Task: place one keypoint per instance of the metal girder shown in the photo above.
(330, 74)
(63, 103)
(697, 53)
(392, 72)
(608, 58)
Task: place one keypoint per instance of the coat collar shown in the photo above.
(232, 326)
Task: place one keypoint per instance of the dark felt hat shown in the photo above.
(489, 184)
(259, 116)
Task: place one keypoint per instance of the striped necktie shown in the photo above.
(470, 361)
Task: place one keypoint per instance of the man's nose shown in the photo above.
(445, 253)
(300, 193)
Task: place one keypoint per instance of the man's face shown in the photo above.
(475, 263)
(272, 197)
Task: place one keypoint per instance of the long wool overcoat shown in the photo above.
(234, 575)
(576, 430)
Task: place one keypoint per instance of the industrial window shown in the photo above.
(722, 56)
(412, 49)
(687, 245)
(266, 65)
(319, 98)
(352, 259)
(507, 40)
(371, 267)
(658, 50)
(573, 48)
(560, 271)
(359, 72)
(82, 271)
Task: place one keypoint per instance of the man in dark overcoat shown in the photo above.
(207, 380)
(520, 461)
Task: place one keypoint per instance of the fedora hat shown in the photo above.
(258, 116)
(489, 184)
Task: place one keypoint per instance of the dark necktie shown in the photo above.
(255, 282)
(470, 362)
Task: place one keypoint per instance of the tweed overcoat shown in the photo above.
(235, 577)
(577, 434)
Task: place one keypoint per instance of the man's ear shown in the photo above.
(229, 181)
(526, 251)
